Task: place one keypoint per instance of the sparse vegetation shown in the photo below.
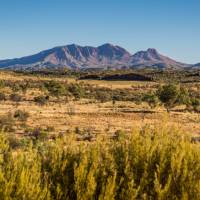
(90, 140)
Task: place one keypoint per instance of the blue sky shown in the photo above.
(170, 26)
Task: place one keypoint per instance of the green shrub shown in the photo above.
(2, 96)
(151, 99)
(184, 96)
(24, 87)
(7, 122)
(55, 88)
(39, 134)
(41, 100)
(13, 141)
(15, 87)
(15, 97)
(21, 115)
(20, 86)
(50, 129)
(195, 103)
(103, 96)
(2, 84)
(76, 90)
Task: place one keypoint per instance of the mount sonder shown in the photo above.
(83, 57)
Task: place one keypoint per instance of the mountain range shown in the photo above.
(83, 57)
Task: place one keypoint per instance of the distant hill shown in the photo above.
(196, 66)
(78, 57)
(151, 58)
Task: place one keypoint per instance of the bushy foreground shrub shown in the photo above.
(154, 163)
(20, 174)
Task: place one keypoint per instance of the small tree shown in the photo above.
(168, 95)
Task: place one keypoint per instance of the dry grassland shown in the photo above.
(93, 116)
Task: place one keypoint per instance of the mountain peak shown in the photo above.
(72, 45)
(106, 55)
(152, 51)
(151, 58)
(107, 45)
(149, 53)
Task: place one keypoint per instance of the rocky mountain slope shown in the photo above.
(79, 57)
(151, 58)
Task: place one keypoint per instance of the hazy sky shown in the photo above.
(170, 26)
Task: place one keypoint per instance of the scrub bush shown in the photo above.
(151, 163)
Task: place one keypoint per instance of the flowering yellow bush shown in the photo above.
(158, 163)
